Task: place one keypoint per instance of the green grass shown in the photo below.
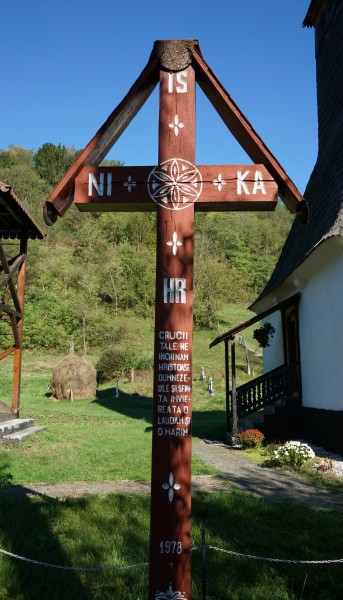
(113, 531)
(263, 456)
(101, 439)
(109, 439)
(106, 438)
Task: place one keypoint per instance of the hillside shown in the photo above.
(92, 279)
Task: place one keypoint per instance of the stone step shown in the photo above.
(13, 425)
(280, 402)
(7, 416)
(255, 418)
(21, 434)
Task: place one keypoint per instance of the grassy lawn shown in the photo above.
(264, 456)
(105, 438)
(113, 530)
(109, 438)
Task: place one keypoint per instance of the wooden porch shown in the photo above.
(275, 388)
(16, 228)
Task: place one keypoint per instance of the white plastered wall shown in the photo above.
(321, 338)
(273, 355)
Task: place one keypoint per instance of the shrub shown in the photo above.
(293, 454)
(251, 438)
(116, 361)
(110, 364)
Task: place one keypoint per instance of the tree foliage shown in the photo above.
(92, 269)
(51, 162)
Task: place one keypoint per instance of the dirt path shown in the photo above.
(236, 472)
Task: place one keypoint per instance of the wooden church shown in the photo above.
(303, 374)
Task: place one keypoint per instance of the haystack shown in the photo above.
(73, 378)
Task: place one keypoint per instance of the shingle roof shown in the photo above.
(15, 221)
(312, 13)
(324, 191)
(324, 195)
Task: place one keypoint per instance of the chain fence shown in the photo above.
(145, 564)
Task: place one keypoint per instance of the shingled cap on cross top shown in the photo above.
(175, 188)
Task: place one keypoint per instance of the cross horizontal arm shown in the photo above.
(246, 135)
(62, 196)
(209, 187)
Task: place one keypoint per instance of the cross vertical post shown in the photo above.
(176, 183)
(175, 188)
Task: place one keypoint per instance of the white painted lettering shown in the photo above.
(173, 335)
(163, 388)
(181, 81)
(109, 184)
(180, 388)
(175, 289)
(99, 186)
(241, 184)
(259, 183)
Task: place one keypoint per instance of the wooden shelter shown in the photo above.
(16, 228)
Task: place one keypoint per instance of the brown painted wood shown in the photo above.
(11, 285)
(175, 189)
(170, 533)
(246, 135)
(7, 352)
(221, 187)
(184, 50)
(19, 348)
(62, 196)
(10, 311)
(12, 268)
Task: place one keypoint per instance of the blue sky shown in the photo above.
(66, 64)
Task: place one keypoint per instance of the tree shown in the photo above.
(51, 162)
(211, 283)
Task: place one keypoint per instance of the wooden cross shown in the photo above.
(175, 188)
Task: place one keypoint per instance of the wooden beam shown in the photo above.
(10, 282)
(62, 196)
(227, 386)
(218, 188)
(7, 352)
(234, 392)
(15, 331)
(11, 270)
(19, 349)
(246, 135)
(10, 311)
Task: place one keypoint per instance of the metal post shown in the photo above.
(117, 387)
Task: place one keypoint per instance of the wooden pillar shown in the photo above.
(170, 532)
(227, 387)
(233, 384)
(18, 350)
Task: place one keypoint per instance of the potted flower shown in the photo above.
(264, 334)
